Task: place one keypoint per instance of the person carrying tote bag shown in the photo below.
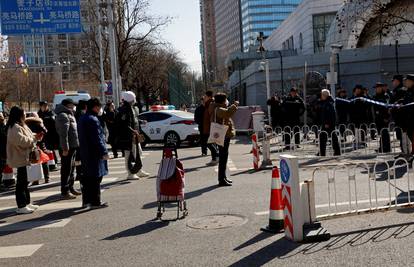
(20, 144)
(221, 116)
(217, 131)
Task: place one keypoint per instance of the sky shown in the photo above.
(184, 33)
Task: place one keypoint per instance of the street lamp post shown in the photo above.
(333, 76)
(281, 72)
(265, 66)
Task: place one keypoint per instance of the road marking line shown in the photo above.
(261, 213)
(118, 172)
(22, 226)
(18, 251)
(47, 207)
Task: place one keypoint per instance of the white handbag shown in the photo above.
(34, 172)
(217, 132)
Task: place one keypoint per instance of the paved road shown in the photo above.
(125, 234)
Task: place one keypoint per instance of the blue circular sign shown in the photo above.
(285, 171)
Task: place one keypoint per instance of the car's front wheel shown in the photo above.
(172, 138)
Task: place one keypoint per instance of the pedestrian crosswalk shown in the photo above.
(41, 192)
(18, 251)
(232, 167)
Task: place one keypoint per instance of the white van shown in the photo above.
(74, 95)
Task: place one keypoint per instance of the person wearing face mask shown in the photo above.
(66, 128)
(93, 154)
(127, 124)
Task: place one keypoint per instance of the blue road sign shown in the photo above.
(40, 17)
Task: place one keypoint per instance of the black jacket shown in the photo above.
(126, 119)
(398, 97)
(359, 111)
(381, 113)
(326, 114)
(342, 111)
(293, 108)
(3, 141)
(51, 138)
(276, 111)
(199, 117)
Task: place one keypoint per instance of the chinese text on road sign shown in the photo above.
(40, 17)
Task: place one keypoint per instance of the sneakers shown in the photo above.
(25, 210)
(143, 174)
(67, 196)
(212, 163)
(32, 206)
(132, 177)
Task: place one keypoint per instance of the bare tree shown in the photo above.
(377, 19)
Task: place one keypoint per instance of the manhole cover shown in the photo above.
(212, 222)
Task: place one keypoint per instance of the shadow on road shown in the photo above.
(284, 249)
(139, 230)
(188, 195)
(53, 216)
(254, 240)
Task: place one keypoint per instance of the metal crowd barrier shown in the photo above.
(366, 139)
(361, 188)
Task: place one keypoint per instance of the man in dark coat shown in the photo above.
(398, 95)
(3, 144)
(382, 117)
(198, 118)
(93, 154)
(327, 119)
(127, 123)
(109, 118)
(408, 111)
(275, 111)
(66, 128)
(51, 138)
(359, 112)
(342, 110)
(293, 108)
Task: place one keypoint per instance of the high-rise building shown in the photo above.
(263, 16)
(208, 41)
(228, 32)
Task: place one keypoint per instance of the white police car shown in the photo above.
(164, 124)
(74, 95)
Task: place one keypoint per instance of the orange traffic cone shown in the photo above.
(276, 224)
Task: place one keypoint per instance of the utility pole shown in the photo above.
(116, 83)
(101, 60)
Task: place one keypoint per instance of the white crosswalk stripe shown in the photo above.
(22, 226)
(232, 167)
(19, 251)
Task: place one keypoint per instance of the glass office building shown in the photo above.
(263, 16)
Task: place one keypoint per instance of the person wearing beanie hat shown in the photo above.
(127, 125)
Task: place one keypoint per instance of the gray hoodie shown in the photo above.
(66, 128)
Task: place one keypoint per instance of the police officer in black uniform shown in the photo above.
(293, 108)
(397, 97)
(382, 117)
(408, 111)
(359, 112)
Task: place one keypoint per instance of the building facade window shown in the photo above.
(321, 25)
(263, 16)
